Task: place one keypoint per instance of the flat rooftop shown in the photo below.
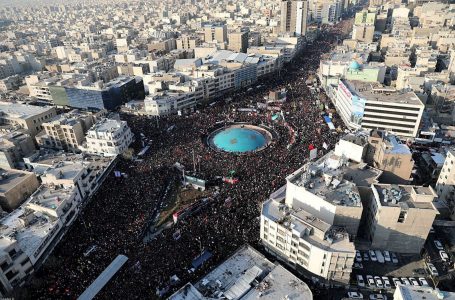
(50, 197)
(335, 179)
(247, 274)
(312, 229)
(422, 293)
(21, 111)
(376, 92)
(405, 196)
(106, 125)
(10, 178)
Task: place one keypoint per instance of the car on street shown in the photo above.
(414, 281)
(387, 256)
(405, 281)
(378, 297)
(366, 257)
(370, 280)
(432, 269)
(396, 281)
(360, 281)
(443, 255)
(438, 245)
(394, 257)
(378, 281)
(358, 256)
(373, 255)
(355, 295)
(386, 282)
(423, 282)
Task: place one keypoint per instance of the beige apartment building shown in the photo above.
(186, 42)
(445, 186)
(394, 159)
(66, 131)
(238, 41)
(15, 187)
(294, 15)
(400, 217)
(215, 32)
(24, 116)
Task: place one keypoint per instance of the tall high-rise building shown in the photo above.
(294, 16)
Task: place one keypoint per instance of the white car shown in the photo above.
(355, 295)
(378, 281)
(396, 281)
(358, 265)
(443, 255)
(366, 257)
(360, 281)
(405, 281)
(423, 282)
(432, 269)
(370, 280)
(358, 256)
(438, 245)
(373, 255)
(387, 256)
(386, 282)
(394, 257)
(414, 281)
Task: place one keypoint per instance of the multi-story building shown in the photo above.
(393, 158)
(14, 146)
(445, 186)
(66, 131)
(246, 275)
(216, 32)
(15, 187)
(108, 137)
(169, 103)
(186, 42)
(368, 106)
(25, 116)
(238, 41)
(399, 217)
(294, 17)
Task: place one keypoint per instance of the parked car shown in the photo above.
(378, 297)
(405, 281)
(366, 257)
(370, 280)
(358, 265)
(432, 230)
(394, 257)
(443, 255)
(432, 269)
(396, 281)
(358, 256)
(372, 255)
(438, 245)
(414, 281)
(386, 282)
(355, 295)
(378, 281)
(387, 256)
(423, 282)
(360, 281)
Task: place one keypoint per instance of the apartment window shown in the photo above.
(10, 275)
(281, 232)
(265, 236)
(279, 238)
(4, 265)
(402, 216)
(12, 252)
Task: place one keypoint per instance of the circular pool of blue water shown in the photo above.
(235, 139)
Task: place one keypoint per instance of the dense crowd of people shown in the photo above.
(114, 220)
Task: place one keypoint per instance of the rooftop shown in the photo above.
(107, 125)
(335, 179)
(423, 293)
(51, 197)
(308, 227)
(10, 178)
(247, 274)
(21, 111)
(377, 92)
(404, 196)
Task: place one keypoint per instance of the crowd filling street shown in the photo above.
(115, 219)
